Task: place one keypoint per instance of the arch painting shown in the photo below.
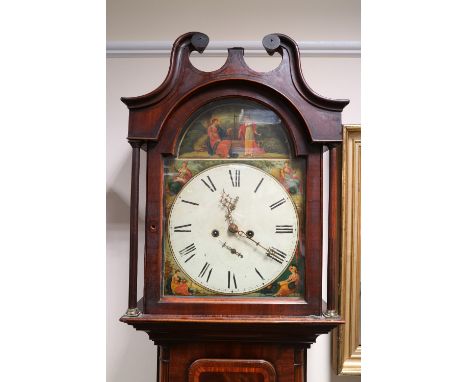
(234, 128)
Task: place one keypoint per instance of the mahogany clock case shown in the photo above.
(157, 124)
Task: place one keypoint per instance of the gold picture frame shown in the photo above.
(346, 347)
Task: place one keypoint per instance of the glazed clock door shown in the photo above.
(234, 206)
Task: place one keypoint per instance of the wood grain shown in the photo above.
(334, 231)
(231, 370)
(134, 194)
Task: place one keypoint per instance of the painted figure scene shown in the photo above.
(290, 173)
(234, 129)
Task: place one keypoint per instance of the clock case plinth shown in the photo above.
(275, 331)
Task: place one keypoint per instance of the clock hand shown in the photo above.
(234, 229)
(257, 243)
(230, 204)
(230, 249)
(272, 253)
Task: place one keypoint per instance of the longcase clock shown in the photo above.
(233, 227)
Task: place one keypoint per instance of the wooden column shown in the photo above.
(300, 364)
(334, 229)
(133, 267)
(164, 363)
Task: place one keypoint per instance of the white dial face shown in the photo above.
(233, 229)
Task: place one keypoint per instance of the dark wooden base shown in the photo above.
(229, 362)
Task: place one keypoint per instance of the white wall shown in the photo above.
(130, 354)
(233, 20)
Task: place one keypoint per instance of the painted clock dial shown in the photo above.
(233, 229)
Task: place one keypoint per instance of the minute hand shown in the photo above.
(243, 234)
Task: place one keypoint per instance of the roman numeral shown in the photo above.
(209, 274)
(189, 258)
(233, 280)
(211, 186)
(258, 185)
(258, 273)
(188, 202)
(180, 228)
(187, 249)
(277, 204)
(276, 254)
(235, 180)
(205, 269)
(284, 229)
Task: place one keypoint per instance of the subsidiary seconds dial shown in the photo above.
(233, 229)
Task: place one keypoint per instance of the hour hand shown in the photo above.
(228, 202)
